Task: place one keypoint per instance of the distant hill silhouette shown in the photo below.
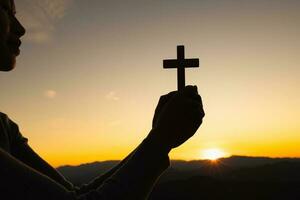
(85, 172)
(236, 177)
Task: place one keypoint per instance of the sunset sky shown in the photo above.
(90, 75)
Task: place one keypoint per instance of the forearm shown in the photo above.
(133, 180)
(136, 178)
(137, 172)
(19, 181)
(24, 153)
(98, 181)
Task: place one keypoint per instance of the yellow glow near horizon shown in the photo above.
(212, 154)
(91, 97)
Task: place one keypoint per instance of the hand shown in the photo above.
(162, 102)
(177, 117)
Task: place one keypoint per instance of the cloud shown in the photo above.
(51, 94)
(39, 17)
(112, 96)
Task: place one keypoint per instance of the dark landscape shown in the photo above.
(236, 177)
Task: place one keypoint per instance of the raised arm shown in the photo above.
(98, 181)
(20, 181)
(23, 152)
(176, 122)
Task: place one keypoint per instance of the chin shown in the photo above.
(8, 64)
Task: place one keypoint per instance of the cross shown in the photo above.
(181, 63)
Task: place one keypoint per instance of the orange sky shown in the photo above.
(90, 75)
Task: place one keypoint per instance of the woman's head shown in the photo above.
(10, 33)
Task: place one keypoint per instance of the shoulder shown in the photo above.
(6, 123)
(4, 133)
(11, 128)
(3, 115)
(4, 120)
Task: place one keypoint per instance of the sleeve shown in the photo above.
(134, 180)
(22, 151)
(25, 175)
(19, 181)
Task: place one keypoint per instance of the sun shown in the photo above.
(212, 154)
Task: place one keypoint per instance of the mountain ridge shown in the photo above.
(181, 169)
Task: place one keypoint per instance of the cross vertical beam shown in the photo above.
(181, 69)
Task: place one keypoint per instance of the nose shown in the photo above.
(18, 28)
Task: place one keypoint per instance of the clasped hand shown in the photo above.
(177, 117)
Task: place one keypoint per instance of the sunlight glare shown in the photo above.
(212, 154)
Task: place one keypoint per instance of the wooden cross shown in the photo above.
(181, 63)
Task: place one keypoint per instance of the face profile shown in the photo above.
(10, 33)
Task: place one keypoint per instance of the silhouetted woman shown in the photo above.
(25, 175)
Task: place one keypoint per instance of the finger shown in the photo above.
(164, 99)
(195, 107)
(161, 103)
(196, 99)
(169, 95)
(190, 91)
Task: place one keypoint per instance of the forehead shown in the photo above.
(11, 2)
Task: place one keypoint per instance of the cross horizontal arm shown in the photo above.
(170, 64)
(186, 63)
(193, 62)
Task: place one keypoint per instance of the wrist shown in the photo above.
(157, 141)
